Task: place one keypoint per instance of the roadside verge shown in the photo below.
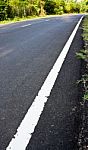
(83, 55)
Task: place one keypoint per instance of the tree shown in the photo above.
(24, 8)
(3, 9)
(50, 6)
(59, 7)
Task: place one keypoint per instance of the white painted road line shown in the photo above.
(25, 25)
(6, 53)
(26, 128)
(47, 20)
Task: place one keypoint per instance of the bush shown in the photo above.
(24, 8)
(59, 10)
(49, 7)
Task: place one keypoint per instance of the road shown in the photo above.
(28, 51)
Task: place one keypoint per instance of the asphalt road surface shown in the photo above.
(28, 50)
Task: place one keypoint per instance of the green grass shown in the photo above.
(83, 54)
(17, 19)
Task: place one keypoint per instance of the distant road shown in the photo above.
(28, 50)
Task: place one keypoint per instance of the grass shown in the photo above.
(83, 54)
(17, 19)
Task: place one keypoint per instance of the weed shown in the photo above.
(83, 54)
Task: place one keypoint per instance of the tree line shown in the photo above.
(9, 9)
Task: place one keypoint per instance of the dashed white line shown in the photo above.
(26, 128)
(6, 53)
(25, 25)
(47, 20)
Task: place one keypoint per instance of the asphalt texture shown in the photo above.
(59, 125)
(27, 54)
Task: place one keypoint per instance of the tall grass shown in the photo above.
(83, 54)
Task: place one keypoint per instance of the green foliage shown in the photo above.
(49, 7)
(3, 14)
(85, 83)
(59, 10)
(86, 96)
(24, 8)
(83, 54)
